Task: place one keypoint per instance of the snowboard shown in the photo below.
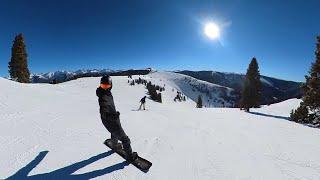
(139, 163)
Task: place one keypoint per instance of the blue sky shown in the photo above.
(163, 34)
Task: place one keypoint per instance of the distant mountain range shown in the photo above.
(273, 90)
(63, 76)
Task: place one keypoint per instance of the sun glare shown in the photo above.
(212, 30)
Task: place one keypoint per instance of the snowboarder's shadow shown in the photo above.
(66, 172)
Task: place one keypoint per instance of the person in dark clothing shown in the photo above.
(143, 103)
(110, 117)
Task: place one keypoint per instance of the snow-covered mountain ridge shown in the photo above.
(63, 76)
(273, 90)
(213, 95)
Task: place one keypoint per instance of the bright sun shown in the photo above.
(212, 30)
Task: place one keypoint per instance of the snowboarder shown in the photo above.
(143, 103)
(110, 117)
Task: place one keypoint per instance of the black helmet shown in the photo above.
(106, 79)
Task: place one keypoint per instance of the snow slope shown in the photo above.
(216, 97)
(54, 132)
(273, 90)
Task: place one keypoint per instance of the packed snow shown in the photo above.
(55, 132)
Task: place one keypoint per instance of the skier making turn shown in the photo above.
(110, 117)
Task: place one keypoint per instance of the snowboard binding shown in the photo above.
(132, 157)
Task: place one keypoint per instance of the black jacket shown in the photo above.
(109, 115)
(143, 100)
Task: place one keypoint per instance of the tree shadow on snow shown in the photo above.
(268, 115)
(66, 172)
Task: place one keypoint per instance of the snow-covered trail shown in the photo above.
(181, 141)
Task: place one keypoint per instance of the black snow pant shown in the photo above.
(142, 105)
(118, 134)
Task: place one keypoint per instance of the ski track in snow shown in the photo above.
(181, 141)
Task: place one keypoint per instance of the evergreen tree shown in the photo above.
(300, 114)
(159, 98)
(152, 90)
(199, 102)
(251, 90)
(311, 97)
(18, 66)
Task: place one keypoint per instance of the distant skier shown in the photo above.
(143, 103)
(110, 117)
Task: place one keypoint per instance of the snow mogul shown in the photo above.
(110, 117)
